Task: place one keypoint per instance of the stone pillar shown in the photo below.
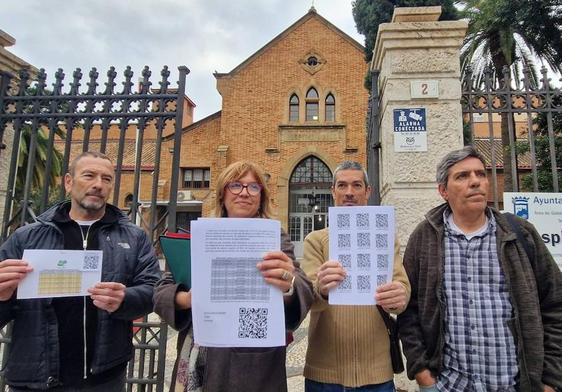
(418, 60)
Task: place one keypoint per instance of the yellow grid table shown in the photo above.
(60, 282)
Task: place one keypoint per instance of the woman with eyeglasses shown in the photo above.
(241, 192)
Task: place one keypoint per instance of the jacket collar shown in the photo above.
(59, 213)
(503, 229)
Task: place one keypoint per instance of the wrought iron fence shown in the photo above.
(517, 125)
(529, 110)
(50, 126)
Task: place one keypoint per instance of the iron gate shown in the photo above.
(531, 111)
(48, 127)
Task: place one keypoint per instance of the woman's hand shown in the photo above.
(183, 300)
(278, 270)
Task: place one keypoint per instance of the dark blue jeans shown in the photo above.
(313, 386)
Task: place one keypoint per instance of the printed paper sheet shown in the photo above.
(60, 273)
(362, 240)
(233, 306)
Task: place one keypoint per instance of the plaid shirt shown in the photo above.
(480, 352)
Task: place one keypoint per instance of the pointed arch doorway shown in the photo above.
(309, 199)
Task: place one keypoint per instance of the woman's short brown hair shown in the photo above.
(234, 172)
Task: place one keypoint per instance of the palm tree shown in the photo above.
(40, 175)
(511, 34)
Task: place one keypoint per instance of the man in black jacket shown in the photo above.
(484, 314)
(78, 343)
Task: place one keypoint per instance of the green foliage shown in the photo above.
(39, 174)
(368, 14)
(511, 33)
(542, 148)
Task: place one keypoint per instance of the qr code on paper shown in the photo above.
(363, 283)
(362, 221)
(382, 261)
(381, 241)
(363, 260)
(381, 279)
(343, 221)
(345, 261)
(252, 323)
(345, 284)
(344, 240)
(381, 221)
(363, 240)
(91, 262)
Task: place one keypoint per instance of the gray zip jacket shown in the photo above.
(128, 258)
(535, 288)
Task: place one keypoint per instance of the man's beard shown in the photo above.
(92, 206)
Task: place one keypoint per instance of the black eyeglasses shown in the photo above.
(236, 188)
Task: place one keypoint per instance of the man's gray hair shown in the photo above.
(454, 157)
(350, 165)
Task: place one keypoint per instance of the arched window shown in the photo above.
(312, 105)
(311, 171)
(309, 199)
(330, 108)
(128, 200)
(294, 108)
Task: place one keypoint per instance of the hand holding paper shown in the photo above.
(392, 296)
(108, 295)
(12, 271)
(330, 274)
(277, 269)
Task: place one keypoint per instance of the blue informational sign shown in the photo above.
(410, 130)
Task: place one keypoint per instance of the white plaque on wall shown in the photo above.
(424, 88)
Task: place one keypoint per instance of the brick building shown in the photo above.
(11, 64)
(297, 107)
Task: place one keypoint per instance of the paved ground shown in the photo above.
(295, 362)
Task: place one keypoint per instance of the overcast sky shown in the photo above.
(204, 35)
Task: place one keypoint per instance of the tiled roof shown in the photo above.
(148, 151)
(483, 146)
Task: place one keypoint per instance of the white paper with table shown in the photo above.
(232, 305)
(362, 240)
(60, 273)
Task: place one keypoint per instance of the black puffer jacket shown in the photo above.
(128, 258)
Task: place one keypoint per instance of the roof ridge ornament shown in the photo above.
(312, 9)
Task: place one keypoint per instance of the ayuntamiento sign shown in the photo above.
(544, 211)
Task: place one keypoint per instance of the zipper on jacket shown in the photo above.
(84, 246)
(85, 342)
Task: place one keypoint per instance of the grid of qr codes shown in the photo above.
(365, 232)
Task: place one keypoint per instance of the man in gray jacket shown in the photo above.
(485, 312)
(78, 343)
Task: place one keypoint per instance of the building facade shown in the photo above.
(296, 107)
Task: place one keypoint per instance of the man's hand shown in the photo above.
(425, 379)
(391, 296)
(549, 389)
(330, 274)
(12, 271)
(277, 269)
(108, 295)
